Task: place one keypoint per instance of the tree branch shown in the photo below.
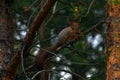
(93, 27)
(11, 68)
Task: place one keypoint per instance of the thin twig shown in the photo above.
(64, 58)
(53, 14)
(49, 38)
(48, 51)
(32, 4)
(22, 64)
(49, 70)
(53, 53)
(93, 27)
(28, 23)
(89, 8)
(54, 8)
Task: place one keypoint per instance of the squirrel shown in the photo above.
(68, 34)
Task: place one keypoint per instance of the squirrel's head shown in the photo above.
(74, 22)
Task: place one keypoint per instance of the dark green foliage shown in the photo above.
(82, 57)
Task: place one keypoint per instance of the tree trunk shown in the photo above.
(6, 36)
(113, 40)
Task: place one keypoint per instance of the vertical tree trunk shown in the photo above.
(6, 44)
(113, 40)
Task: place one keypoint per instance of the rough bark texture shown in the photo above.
(113, 40)
(11, 68)
(6, 36)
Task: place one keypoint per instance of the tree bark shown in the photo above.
(113, 40)
(11, 68)
(6, 36)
